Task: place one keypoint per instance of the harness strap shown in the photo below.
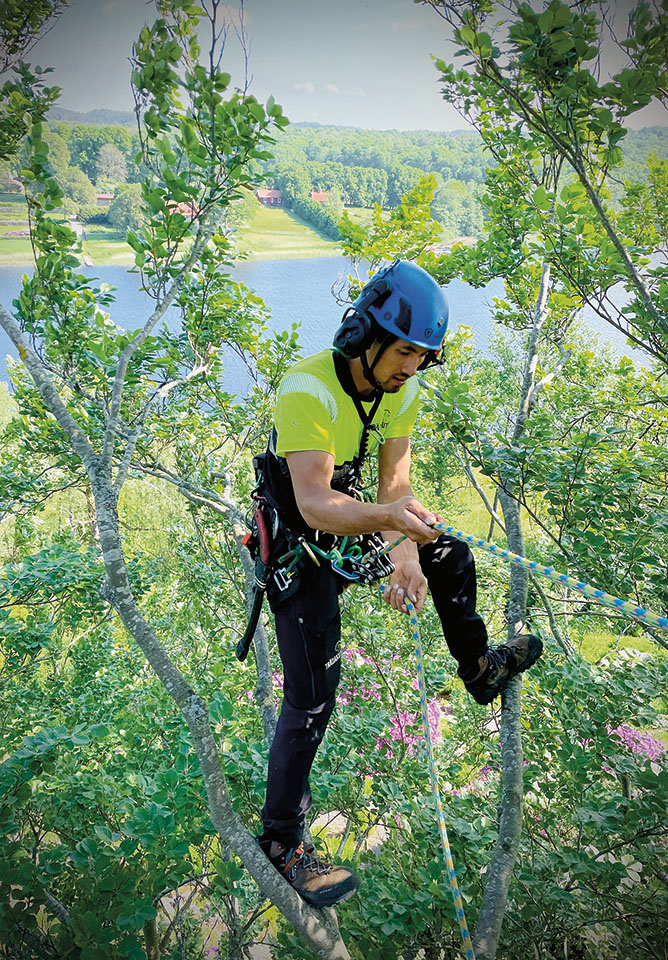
(345, 376)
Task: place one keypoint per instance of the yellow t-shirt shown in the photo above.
(314, 412)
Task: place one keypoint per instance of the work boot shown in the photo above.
(320, 884)
(500, 664)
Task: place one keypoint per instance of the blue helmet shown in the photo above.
(403, 300)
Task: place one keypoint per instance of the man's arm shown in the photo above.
(394, 464)
(325, 509)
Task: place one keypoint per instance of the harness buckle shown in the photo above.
(283, 578)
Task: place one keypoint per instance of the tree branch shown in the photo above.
(46, 388)
(204, 233)
(135, 434)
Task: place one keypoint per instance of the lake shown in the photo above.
(294, 291)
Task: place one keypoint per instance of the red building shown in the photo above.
(320, 196)
(269, 197)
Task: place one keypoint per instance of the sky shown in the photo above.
(364, 63)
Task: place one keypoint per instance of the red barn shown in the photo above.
(269, 197)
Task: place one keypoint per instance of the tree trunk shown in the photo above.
(152, 939)
(505, 853)
(318, 928)
(500, 870)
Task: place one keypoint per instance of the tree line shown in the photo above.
(355, 167)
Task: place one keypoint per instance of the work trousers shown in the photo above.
(308, 630)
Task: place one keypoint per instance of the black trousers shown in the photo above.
(308, 630)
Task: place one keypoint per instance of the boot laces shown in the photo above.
(306, 861)
(498, 658)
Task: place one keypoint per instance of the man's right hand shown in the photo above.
(410, 517)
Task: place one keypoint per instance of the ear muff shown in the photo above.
(354, 336)
(356, 333)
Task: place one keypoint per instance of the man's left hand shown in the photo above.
(407, 581)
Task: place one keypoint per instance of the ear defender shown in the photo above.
(356, 333)
(354, 336)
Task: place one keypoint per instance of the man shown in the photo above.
(333, 409)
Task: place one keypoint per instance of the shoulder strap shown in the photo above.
(345, 376)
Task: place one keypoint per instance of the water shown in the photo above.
(294, 291)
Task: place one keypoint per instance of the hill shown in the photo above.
(99, 117)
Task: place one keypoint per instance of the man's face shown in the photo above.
(397, 364)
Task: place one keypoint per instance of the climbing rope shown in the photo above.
(454, 886)
(445, 843)
(616, 603)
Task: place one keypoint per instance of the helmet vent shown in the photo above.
(403, 320)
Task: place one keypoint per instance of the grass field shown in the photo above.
(271, 235)
(15, 251)
(14, 217)
(360, 214)
(104, 245)
(277, 234)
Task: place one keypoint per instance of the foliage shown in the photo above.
(126, 211)
(111, 164)
(86, 141)
(76, 186)
(458, 210)
(535, 78)
(405, 231)
(20, 28)
(316, 214)
(91, 213)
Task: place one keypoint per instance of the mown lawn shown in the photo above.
(15, 250)
(360, 215)
(271, 234)
(14, 218)
(104, 245)
(278, 234)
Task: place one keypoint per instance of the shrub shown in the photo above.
(91, 213)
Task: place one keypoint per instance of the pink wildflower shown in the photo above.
(403, 720)
(638, 742)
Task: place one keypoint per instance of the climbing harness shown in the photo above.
(363, 559)
(616, 603)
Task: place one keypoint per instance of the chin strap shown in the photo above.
(368, 373)
(368, 370)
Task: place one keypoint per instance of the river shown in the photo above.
(294, 290)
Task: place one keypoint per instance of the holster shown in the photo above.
(259, 544)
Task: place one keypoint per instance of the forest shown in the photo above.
(356, 168)
(133, 744)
